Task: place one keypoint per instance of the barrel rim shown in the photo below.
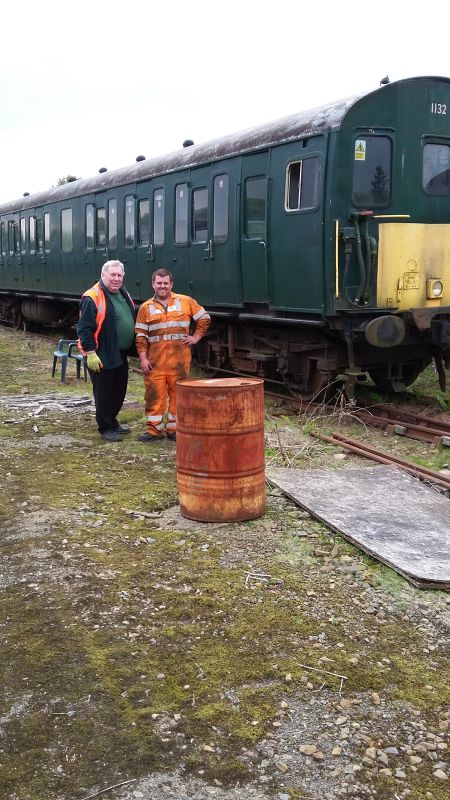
(220, 383)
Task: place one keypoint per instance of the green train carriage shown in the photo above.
(319, 243)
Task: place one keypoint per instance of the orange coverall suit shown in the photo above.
(159, 333)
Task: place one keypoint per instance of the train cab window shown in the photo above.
(144, 223)
(39, 236)
(90, 227)
(23, 236)
(47, 232)
(66, 230)
(129, 221)
(32, 224)
(302, 184)
(436, 169)
(158, 216)
(181, 213)
(100, 220)
(200, 215)
(255, 208)
(220, 208)
(112, 224)
(372, 169)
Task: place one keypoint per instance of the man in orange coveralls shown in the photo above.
(164, 345)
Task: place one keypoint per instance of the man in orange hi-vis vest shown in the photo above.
(164, 346)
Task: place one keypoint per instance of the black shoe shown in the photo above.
(147, 437)
(172, 437)
(123, 429)
(111, 436)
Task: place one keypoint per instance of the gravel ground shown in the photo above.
(344, 662)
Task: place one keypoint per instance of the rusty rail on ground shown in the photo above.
(360, 448)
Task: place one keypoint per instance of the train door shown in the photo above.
(64, 248)
(144, 241)
(254, 214)
(296, 225)
(100, 241)
(201, 249)
(177, 246)
(34, 273)
(12, 260)
(88, 273)
(223, 244)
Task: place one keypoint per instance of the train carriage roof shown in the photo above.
(287, 129)
(306, 123)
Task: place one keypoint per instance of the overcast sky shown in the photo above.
(94, 84)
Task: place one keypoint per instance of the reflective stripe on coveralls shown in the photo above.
(159, 334)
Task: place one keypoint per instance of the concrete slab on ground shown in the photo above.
(385, 512)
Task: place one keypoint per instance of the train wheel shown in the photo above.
(404, 375)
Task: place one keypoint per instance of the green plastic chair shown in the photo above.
(80, 360)
(62, 354)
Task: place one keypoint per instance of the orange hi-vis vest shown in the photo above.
(97, 294)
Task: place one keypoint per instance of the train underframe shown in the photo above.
(310, 356)
(314, 362)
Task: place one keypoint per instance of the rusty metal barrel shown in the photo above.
(220, 449)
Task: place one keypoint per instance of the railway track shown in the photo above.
(360, 448)
(415, 426)
(392, 420)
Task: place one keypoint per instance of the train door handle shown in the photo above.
(209, 250)
(262, 243)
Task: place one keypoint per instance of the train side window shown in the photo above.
(32, 235)
(200, 215)
(144, 223)
(100, 220)
(3, 238)
(181, 213)
(47, 232)
(39, 236)
(66, 230)
(90, 227)
(220, 208)
(255, 208)
(302, 184)
(112, 224)
(11, 238)
(23, 235)
(372, 171)
(129, 221)
(436, 169)
(158, 216)
(16, 239)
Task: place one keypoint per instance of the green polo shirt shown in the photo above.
(124, 321)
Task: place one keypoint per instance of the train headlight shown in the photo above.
(435, 289)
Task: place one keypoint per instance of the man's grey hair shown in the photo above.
(114, 263)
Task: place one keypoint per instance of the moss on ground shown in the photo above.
(129, 648)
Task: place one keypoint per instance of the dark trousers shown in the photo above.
(109, 387)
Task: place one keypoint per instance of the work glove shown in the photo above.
(93, 362)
